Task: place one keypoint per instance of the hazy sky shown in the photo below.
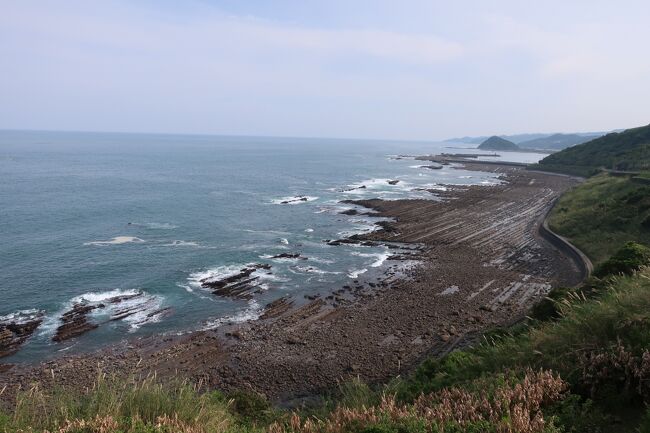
(331, 68)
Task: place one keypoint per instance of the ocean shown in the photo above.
(86, 217)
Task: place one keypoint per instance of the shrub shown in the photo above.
(579, 415)
(549, 307)
(627, 260)
(356, 393)
(638, 195)
(617, 370)
(250, 407)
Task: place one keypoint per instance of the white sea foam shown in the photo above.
(311, 270)
(186, 287)
(21, 316)
(98, 297)
(361, 188)
(118, 240)
(220, 272)
(297, 199)
(362, 226)
(380, 258)
(263, 274)
(354, 273)
(434, 186)
(148, 311)
(284, 241)
(252, 312)
(309, 230)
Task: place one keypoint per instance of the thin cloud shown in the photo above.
(494, 67)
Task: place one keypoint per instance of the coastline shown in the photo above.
(382, 331)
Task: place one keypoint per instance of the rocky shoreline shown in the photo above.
(483, 264)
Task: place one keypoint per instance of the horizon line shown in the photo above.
(207, 134)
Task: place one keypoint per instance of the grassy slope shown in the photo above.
(602, 214)
(628, 150)
(600, 347)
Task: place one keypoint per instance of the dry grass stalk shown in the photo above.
(511, 408)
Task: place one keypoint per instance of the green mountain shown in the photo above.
(627, 150)
(498, 143)
(557, 141)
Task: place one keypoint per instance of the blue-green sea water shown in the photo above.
(87, 216)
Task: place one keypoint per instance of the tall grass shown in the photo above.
(510, 405)
(133, 406)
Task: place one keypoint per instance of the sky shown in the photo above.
(413, 69)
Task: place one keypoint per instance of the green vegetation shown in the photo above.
(628, 150)
(627, 260)
(136, 406)
(498, 143)
(603, 214)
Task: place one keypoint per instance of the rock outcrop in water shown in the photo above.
(289, 256)
(241, 285)
(354, 188)
(76, 322)
(14, 332)
(295, 200)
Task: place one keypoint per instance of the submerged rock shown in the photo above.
(241, 285)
